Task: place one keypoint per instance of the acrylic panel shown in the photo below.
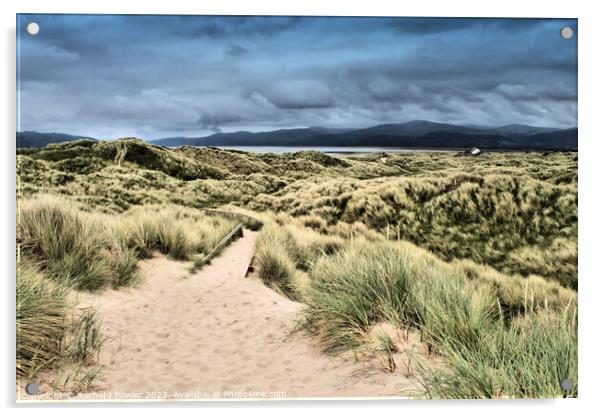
(273, 207)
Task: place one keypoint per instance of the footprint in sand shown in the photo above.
(122, 379)
(163, 349)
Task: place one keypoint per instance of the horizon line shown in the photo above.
(469, 125)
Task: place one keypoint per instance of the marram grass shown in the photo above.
(522, 351)
(530, 357)
(42, 320)
(90, 251)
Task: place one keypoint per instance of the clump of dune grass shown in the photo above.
(175, 231)
(67, 247)
(76, 378)
(460, 318)
(145, 232)
(314, 222)
(353, 231)
(351, 291)
(78, 366)
(172, 240)
(123, 263)
(42, 320)
(276, 268)
(286, 250)
(49, 333)
(529, 358)
(382, 347)
(516, 294)
(86, 338)
(211, 231)
(305, 246)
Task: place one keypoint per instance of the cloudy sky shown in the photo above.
(160, 76)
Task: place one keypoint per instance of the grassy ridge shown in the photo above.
(515, 224)
(119, 174)
(516, 212)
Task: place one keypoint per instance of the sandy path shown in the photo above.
(217, 334)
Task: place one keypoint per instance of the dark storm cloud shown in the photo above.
(429, 26)
(299, 94)
(213, 121)
(236, 50)
(222, 27)
(155, 76)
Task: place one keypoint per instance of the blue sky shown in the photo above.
(111, 76)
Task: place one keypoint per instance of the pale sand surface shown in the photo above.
(217, 334)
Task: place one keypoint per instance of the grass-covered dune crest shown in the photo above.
(516, 212)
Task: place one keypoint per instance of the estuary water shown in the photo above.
(328, 149)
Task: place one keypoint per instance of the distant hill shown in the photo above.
(416, 128)
(282, 137)
(413, 134)
(521, 129)
(35, 139)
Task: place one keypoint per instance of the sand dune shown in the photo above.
(216, 334)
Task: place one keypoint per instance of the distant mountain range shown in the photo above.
(35, 139)
(413, 134)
